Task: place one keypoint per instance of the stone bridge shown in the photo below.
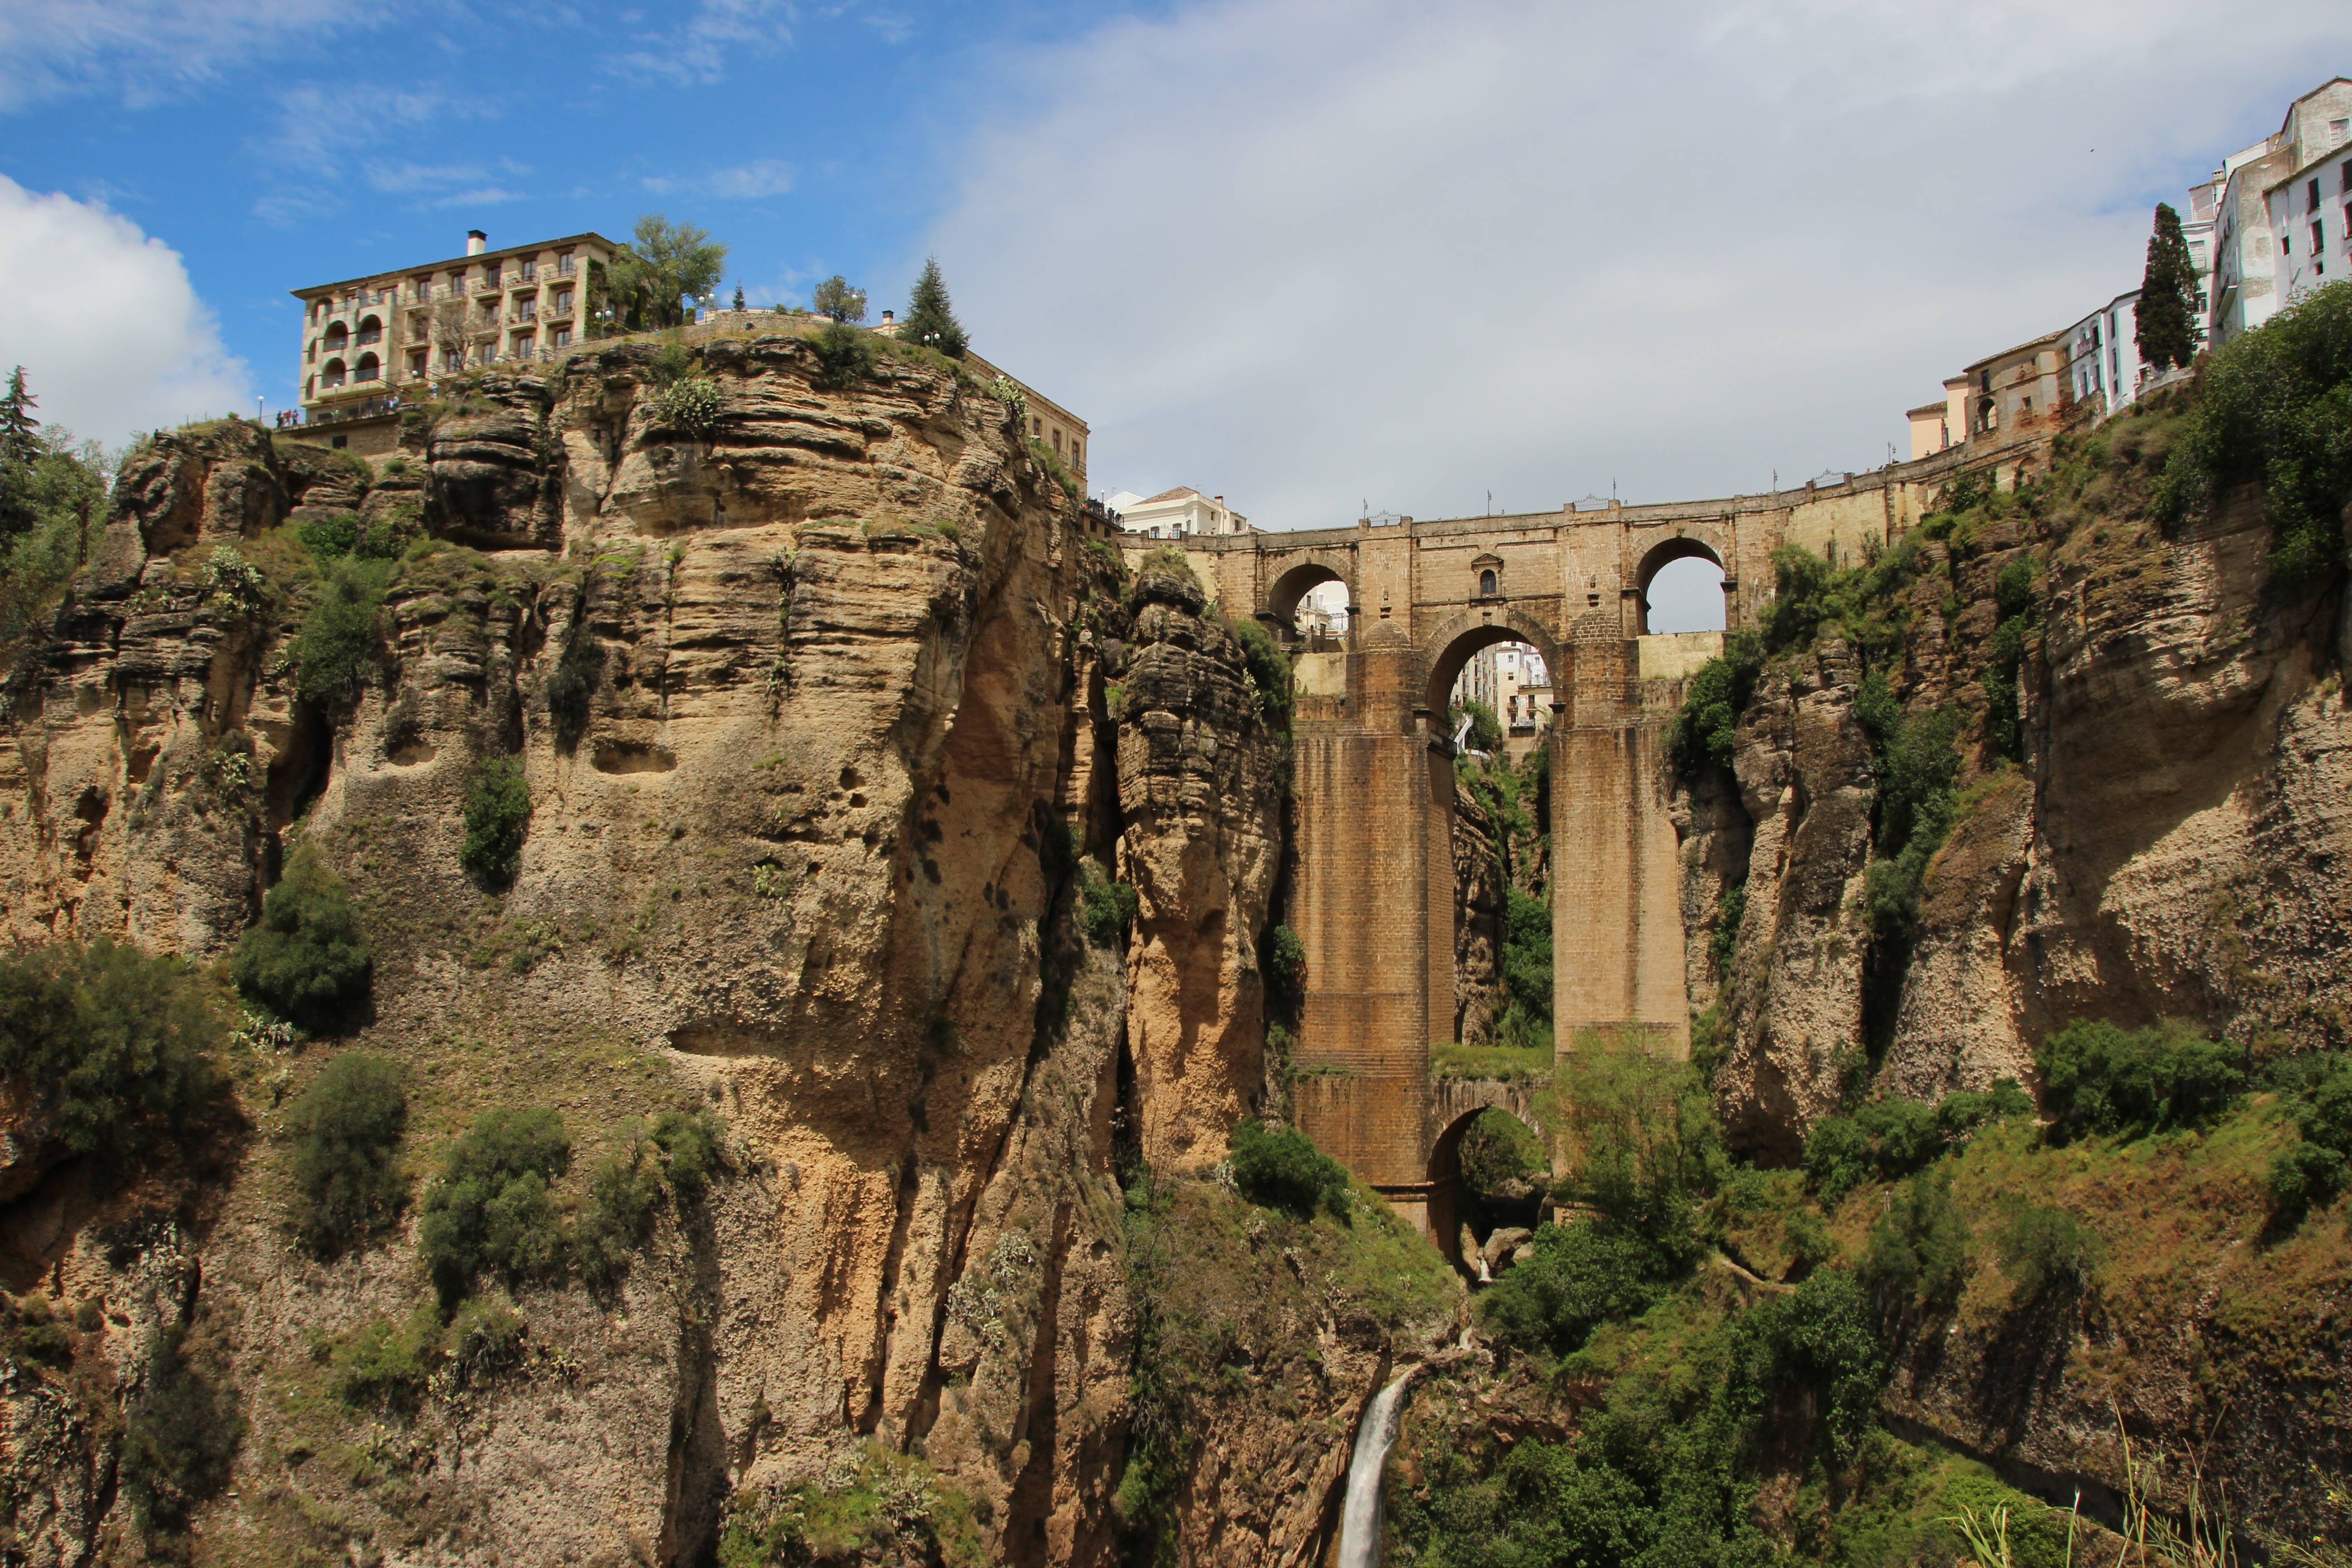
(1372, 897)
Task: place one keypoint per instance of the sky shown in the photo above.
(1319, 257)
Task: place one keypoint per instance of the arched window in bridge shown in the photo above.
(1486, 583)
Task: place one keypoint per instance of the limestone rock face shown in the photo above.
(797, 854)
(1199, 777)
(1796, 992)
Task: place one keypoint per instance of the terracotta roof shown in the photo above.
(1179, 493)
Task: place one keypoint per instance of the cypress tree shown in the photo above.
(2165, 334)
(931, 320)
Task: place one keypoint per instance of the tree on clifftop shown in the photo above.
(836, 298)
(2168, 297)
(931, 320)
(665, 265)
(20, 444)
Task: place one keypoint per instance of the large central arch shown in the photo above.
(1459, 639)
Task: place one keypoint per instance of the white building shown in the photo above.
(2103, 353)
(2310, 222)
(1180, 513)
(1513, 681)
(2246, 286)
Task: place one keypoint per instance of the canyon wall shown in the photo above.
(829, 767)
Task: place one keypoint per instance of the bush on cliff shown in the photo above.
(491, 1208)
(179, 1439)
(52, 497)
(498, 813)
(1888, 1139)
(339, 642)
(305, 959)
(2098, 1079)
(2274, 405)
(347, 1128)
(844, 356)
(573, 686)
(113, 1044)
(1576, 1278)
(1268, 669)
(2311, 1172)
(1281, 1168)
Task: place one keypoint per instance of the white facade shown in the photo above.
(1180, 513)
(2247, 286)
(2102, 352)
(1513, 681)
(2310, 222)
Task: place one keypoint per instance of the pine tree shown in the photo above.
(2167, 334)
(931, 320)
(19, 439)
(739, 296)
(20, 444)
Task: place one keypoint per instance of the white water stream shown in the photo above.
(1359, 1520)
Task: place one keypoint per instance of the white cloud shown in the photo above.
(1313, 252)
(110, 331)
(762, 177)
(143, 49)
(717, 32)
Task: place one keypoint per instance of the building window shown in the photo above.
(310, 355)
(369, 368)
(419, 328)
(333, 375)
(563, 301)
(339, 442)
(530, 268)
(560, 338)
(526, 308)
(1036, 429)
(489, 274)
(489, 312)
(563, 263)
(522, 345)
(1077, 453)
(1057, 443)
(1486, 583)
(2312, 192)
(417, 361)
(371, 331)
(453, 358)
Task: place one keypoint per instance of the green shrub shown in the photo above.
(1731, 909)
(1818, 1335)
(574, 683)
(2275, 405)
(692, 1145)
(692, 404)
(39, 1334)
(383, 1365)
(112, 1043)
(611, 1223)
(485, 1338)
(1890, 1138)
(2043, 1248)
(1269, 670)
(1575, 1279)
(491, 1208)
(844, 356)
(1712, 699)
(1918, 1251)
(1497, 1149)
(2310, 1173)
(1648, 1150)
(179, 1439)
(1106, 909)
(305, 959)
(2098, 1079)
(346, 1129)
(498, 813)
(1283, 958)
(672, 363)
(339, 642)
(1282, 1169)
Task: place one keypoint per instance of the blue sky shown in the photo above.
(1308, 254)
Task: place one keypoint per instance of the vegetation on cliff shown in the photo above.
(305, 959)
(52, 498)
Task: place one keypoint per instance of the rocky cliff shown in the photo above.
(841, 732)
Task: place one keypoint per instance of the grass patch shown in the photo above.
(1509, 1063)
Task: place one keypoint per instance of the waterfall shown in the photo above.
(1359, 1520)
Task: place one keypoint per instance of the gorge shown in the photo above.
(868, 971)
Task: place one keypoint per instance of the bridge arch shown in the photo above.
(1453, 644)
(1457, 1105)
(1665, 554)
(1298, 579)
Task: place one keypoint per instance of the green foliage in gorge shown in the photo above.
(1281, 1168)
(114, 1044)
(180, 1436)
(491, 1208)
(346, 1130)
(2274, 405)
(1888, 1139)
(339, 642)
(2100, 1079)
(52, 500)
(497, 814)
(2311, 1172)
(305, 959)
(1268, 669)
